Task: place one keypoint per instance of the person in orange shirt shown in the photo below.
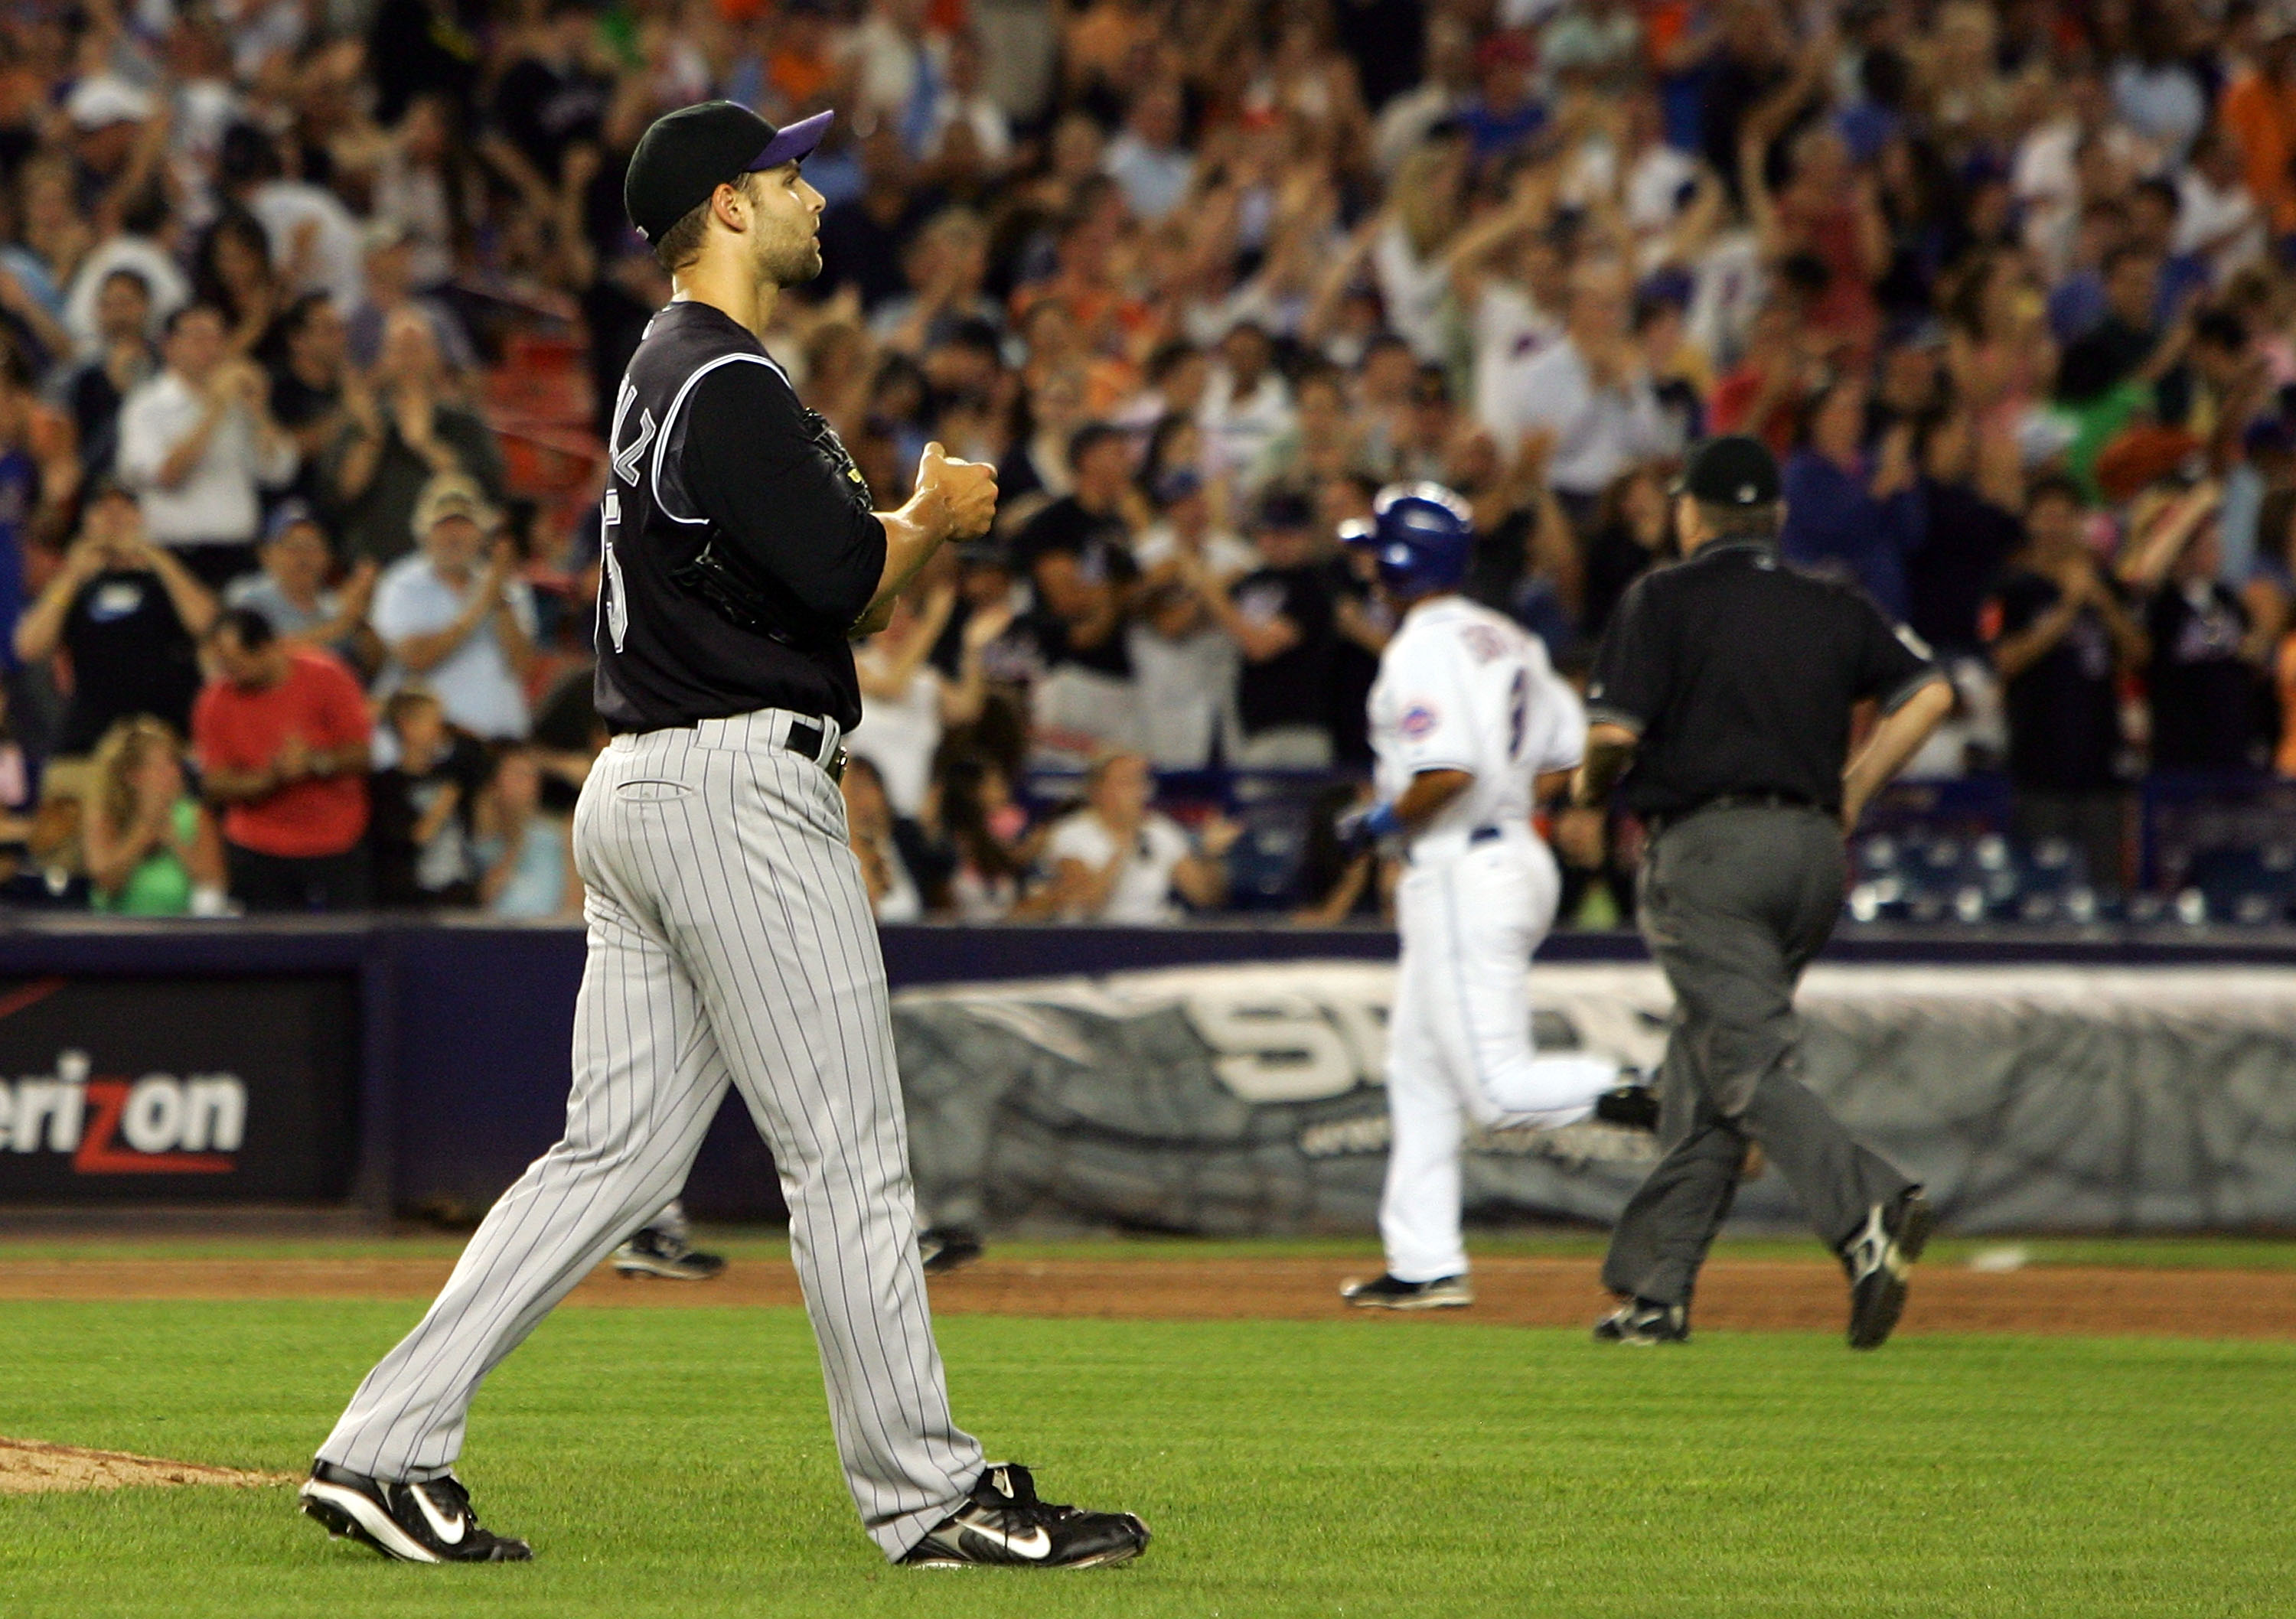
(799, 65)
(282, 733)
(2259, 111)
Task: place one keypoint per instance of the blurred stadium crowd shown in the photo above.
(311, 312)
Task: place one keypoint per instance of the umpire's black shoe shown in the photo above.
(666, 1257)
(1644, 1321)
(1633, 1107)
(946, 1247)
(1879, 1258)
(1005, 1523)
(426, 1522)
(1386, 1292)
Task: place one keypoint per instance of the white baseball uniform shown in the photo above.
(1462, 688)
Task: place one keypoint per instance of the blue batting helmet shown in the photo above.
(1420, 534)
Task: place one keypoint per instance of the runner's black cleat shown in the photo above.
(1005, 1524)
(1630, 1107)
(948, 1248)
(425, 1523)
(1389, 1292)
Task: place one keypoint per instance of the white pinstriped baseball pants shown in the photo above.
(730, 942)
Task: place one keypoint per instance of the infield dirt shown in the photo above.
(30, 1466)
(1735, 1295)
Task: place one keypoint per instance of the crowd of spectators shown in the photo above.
(2006, 286)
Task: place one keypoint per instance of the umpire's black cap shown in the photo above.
(1735, 470)
(689, 153)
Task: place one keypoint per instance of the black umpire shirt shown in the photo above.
(712, 450)
(1738, 673)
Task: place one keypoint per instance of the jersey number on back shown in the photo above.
(613, 600)
(1518, 712)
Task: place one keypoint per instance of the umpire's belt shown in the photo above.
(1657, 824)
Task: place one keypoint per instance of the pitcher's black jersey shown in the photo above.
(738, 544)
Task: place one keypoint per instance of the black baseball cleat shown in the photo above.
(660, 1254)
(425, 1523)
(1879, 1260)
(1392, 1293)
(1644, 1321)
(1005, 1524)
(946, 1247)
(1631, 1107)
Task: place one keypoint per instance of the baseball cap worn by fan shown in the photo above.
(290, 513)
(451, 495)
(686, 155)
(1735, 470)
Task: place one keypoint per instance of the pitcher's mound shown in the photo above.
(28, 1468)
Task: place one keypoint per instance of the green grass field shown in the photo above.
(676, 1462)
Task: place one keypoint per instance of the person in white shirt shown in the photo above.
(1409, 254)
(198, 442)
(465, 628)
(1118, 861)
(966, 129)
(1247, 404)
(906, 703)
(1510, 277)
(1591, 393)
(870, 829)
(316, 241)
(1150, 160)
(1184, 663)
(168, 287)
(1467, 718)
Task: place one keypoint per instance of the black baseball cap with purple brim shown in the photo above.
(686, 155)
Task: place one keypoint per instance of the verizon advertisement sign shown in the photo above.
(169, 1090)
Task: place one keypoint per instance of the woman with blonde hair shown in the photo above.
(1408, 249)
(151, 852)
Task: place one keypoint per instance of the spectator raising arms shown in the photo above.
(906, 703)
(128, 615)
(1162, 262)
(1078, 551)
(283, 737)
(291, 592)
(150, 851)
(200, 442)
(401, 429)
(2060, 635)
(1281, 618)
(463, 627)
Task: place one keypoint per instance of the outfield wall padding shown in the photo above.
(1250, 1100)
(2112, 1080)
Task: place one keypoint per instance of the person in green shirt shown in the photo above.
(151, 852)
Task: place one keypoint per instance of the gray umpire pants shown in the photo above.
(1734, 902)
(730, 942)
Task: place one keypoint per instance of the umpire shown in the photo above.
(730, 942)
(1723, 694)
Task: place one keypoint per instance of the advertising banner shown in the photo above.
(121, 1091)
(1248, 1099)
